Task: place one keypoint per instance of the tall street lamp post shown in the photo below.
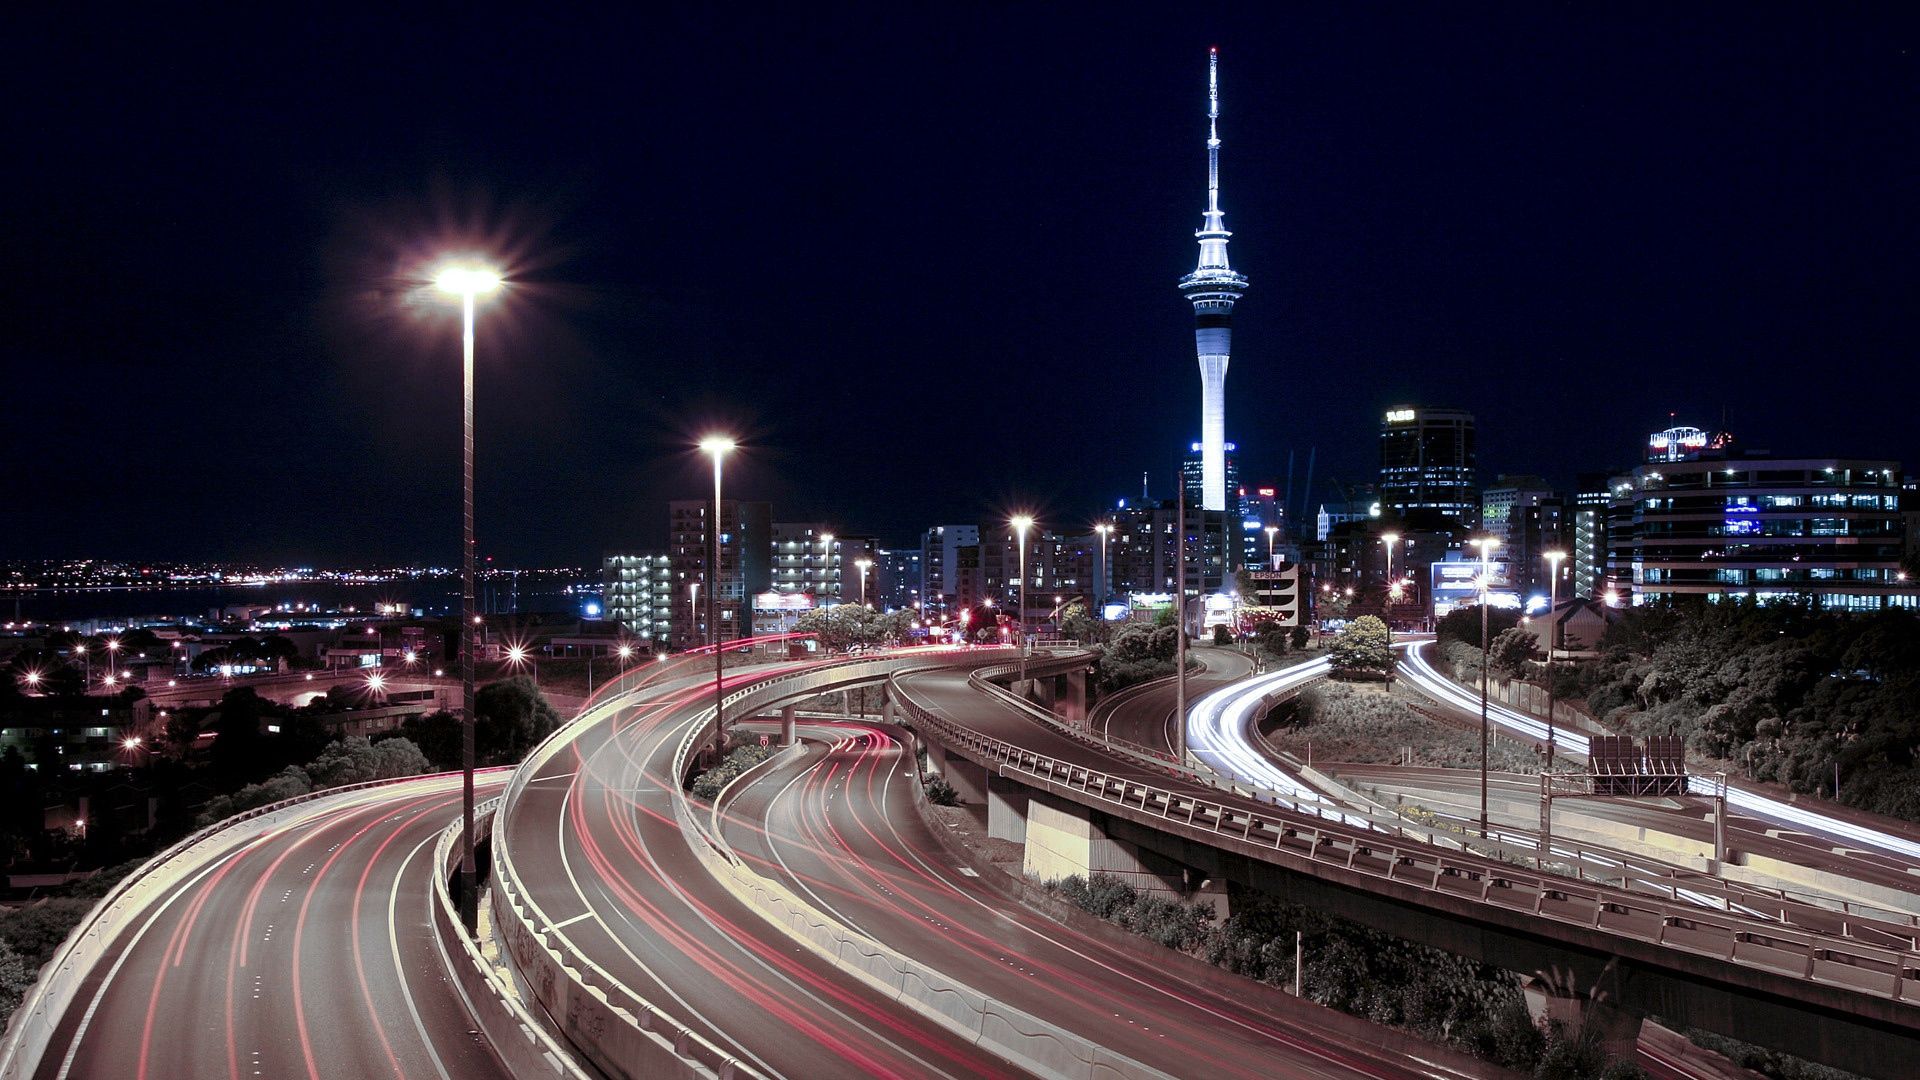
(717, 446)
(1021, 523)
(1273, 561)
(1486, 544)
(861, 565)
(1553, 632)
(1105, 529)
(468, 283)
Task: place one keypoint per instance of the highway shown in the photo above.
(836, 820)
(1808, 834)
(304, 953)
(608, 867)
(1144, 715)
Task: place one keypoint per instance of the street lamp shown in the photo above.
(1273, 561)
(717, 446)
(1553, 631)
(862, 564)
(1105, 529)
(113, 651)
(1389, 540)
(1486, 544)
(468, 283)
(826, 568)
(1021, 523)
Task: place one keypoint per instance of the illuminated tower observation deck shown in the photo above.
(1213, 287)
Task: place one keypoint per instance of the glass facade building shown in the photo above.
(1829, 529)
(1427, 461)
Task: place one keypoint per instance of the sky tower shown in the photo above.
(1213, 287)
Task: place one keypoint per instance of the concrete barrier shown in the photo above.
(522, 1043)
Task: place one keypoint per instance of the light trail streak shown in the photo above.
(1421, 674)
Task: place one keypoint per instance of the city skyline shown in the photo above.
(1680, 217)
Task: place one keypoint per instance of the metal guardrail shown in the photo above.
(1304, 834)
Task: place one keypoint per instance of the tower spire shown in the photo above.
(1213, 137)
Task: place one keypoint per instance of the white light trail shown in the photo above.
(1429, 681)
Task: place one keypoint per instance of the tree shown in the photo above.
(1222, 635)
(438, 737)
(1300, 637)
(356, 760)
(237, 757)
(1331, 603)
(1463, 624)
(510, 717)
(1078, 623)
(1364, 649)
(842, 626)
(1512, 652)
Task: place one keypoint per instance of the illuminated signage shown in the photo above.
(1400, 416)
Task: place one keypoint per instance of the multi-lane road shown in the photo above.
(305, 952)
(836, 820)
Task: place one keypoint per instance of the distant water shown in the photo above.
(435, 596)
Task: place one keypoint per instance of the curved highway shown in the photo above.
(304, 953)
(1807, 834)
(836, 820)
(607, 866)
(1144, 715)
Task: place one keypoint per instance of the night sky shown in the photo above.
(924, 264)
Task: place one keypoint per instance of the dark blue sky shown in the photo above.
(926, 263)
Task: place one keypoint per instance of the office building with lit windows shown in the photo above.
(1730, 526)
(1427, 461)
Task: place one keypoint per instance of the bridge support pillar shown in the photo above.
(1618, 1030)
(887, 711)
(1070, 697)
(846, 703)
(786, 725)
(969, 781)
(1041, 692)
(1006, 810)
(1064, 839)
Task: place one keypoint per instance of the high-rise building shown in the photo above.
(1728, 526)
(637, 593)
(946, 581)
(1193, 477)
(1427, 461)
(1589, 528)
(1506, 496)
(896, 578)
(807, 560)
(744, 568)
(1213, 288)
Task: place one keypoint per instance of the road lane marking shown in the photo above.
(570, 922)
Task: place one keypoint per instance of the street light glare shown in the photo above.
(466, 281)
(717, 444)
(1022, 522)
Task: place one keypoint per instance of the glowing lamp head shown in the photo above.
(516, 654)
(626, 652)
(1021, 523)
(33, 678)
(466, 281)
(716, 445)
(1389, 539)
(376, 683)
(131, 742)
